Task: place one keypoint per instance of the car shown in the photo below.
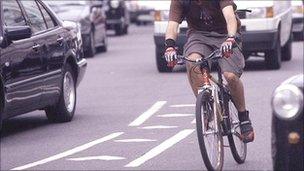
(287, 125)
(92, 18)
(141, 13)
(298, 20)
(41, 61)
(266, 31)
(118, 16)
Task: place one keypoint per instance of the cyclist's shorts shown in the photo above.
(204, 43)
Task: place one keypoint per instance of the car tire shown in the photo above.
(287, 49)
(161, 62)
(273, 57)
(125, 30)
(91, 51)
(119, 30)
(104, 47)
(64, 110)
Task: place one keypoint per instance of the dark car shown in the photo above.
(298, 20)
(41, 61)
(118, 16)
(287, 125)
(92, 18)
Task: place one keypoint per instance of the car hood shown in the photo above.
(297, 80)
(75, 14)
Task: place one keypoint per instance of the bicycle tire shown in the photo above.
(202, 100)
(237, 147)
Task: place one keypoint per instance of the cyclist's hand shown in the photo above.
(227, 47)
(171, 56)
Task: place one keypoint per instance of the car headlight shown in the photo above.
(261, 12)
(114, 3)
(287, 101)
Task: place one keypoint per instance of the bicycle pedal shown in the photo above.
(226, 146)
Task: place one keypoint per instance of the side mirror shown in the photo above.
(13, 33)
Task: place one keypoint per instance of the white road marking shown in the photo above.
(194, 121)
(134, 140)
(174, 115)
(183, 105)
(106, 158)
(159, 127)
(70, 152)
(160, 148)
(146, 115)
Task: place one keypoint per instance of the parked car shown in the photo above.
(41, 61)
(118, 17)
(267, 29)
(92, 19)
(287, 125)
(298, 19)
(140, 12)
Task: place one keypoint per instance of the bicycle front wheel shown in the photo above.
(208, 132)
(237, 146)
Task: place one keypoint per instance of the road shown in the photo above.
(130, 117)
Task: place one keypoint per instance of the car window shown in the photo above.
(12, 14)
(34, 15)
(47, 17)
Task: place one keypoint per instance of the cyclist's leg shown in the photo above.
(194, 73)
(232, 69)
(196, 48)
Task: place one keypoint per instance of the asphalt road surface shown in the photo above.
(130, 117)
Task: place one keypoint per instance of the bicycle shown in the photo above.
(216, 116)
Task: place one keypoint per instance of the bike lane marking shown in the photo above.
(158, 127)
(106, 158)
(146, 115)
(70, 152)
(160, 148)
(182, 105)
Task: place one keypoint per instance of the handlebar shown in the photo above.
(215, 55)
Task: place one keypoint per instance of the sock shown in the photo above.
(243, 116)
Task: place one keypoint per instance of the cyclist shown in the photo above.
(212, 24)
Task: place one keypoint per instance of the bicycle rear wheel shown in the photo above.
(237, 146)
(208, 132)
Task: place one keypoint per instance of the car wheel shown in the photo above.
(273, 57)
(287, 49)
(64, 110)
(161, 62)
(118, 30)
(104, 47)
(91, 51)
(126, 28)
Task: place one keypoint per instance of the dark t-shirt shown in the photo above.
(202, 15)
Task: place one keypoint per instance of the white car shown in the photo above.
(267, 29)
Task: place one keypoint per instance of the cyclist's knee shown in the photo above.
(194, 56)
(231, 77)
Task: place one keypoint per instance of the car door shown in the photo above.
(22, 65)
(54, 60)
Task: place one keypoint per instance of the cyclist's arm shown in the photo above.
(172, 30)
(231, 21)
